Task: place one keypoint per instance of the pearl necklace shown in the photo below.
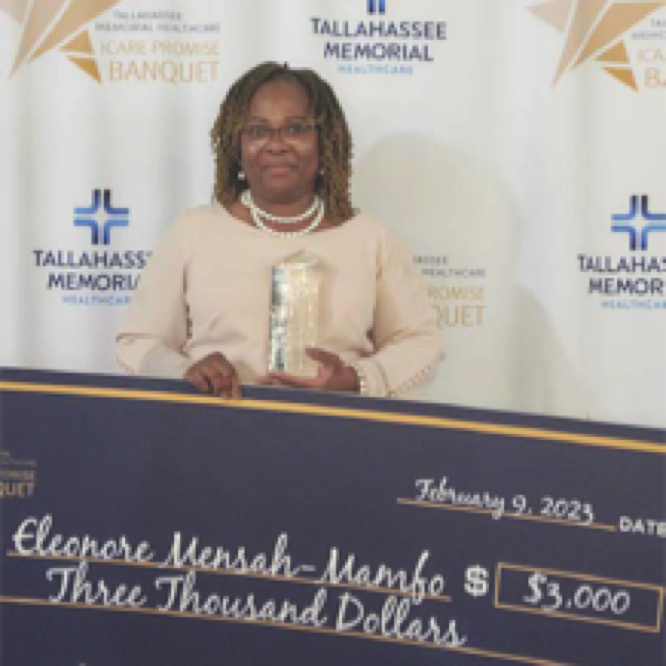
(248, 201)
(256, 213)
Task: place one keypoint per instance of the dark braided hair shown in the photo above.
(335, 144)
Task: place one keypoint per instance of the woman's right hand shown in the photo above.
(215, 374)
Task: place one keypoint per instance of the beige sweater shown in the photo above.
(206, 289)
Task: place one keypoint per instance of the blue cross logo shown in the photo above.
(639, 234)
(376, 6)
(113, 217)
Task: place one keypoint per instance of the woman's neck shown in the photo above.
(280, 208)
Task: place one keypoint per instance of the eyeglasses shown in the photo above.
(292, 133)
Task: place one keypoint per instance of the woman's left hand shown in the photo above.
(333, 374)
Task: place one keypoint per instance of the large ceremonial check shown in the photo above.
(145, 524)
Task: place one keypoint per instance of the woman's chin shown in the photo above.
(278, 191)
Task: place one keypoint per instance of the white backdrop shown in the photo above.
(502, 180)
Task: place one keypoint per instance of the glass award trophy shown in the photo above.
(294, 315)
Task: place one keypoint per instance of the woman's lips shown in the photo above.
(279, 169)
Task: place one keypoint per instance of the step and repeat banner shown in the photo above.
(518, 147)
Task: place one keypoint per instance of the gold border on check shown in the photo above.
(341, 412)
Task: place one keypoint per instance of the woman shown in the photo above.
(283, 165)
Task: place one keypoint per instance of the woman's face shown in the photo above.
(280, 166)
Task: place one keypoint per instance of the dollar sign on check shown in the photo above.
(476, 581)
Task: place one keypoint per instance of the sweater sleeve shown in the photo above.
(150, 340)
(405, 333)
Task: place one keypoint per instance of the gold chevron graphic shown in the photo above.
(554, 13)
(50, 25)
(594, 30)
(35, 27)
(80, 44)
(88, 65)
(617, 20)
(15, 8)
(585, 14)
(77, 14)
(625, 76)
(615, 54)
